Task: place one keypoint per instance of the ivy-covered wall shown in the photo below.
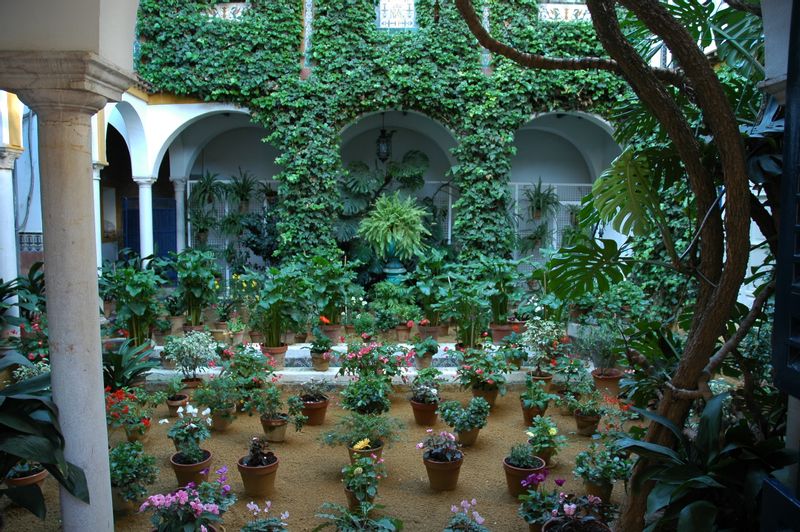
(357, 69)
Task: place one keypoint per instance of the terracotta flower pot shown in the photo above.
(119, 504)
(196, 473)
(256, 337)
(190, 383)
(133, 434)
(175, 402)
(36, 478)
(222, 419)
(315, 411)
(586, 425)
(189, 328)
(237, 338)
(489, 394)
(606, 381)
(274, 429)
(353, 454)
(259, 481)
(443, 476)
(352, 501)
(529, 413)
(429, 330)
(547, 378)
(515, 475)
(278, 355)
(349, 330)
(424, 361)
(403, 333)
(546, 455)
(331, 331)
(300, 337)
(500, 331)
(467, 437)
(318, 362)
(602, 490)
(424, 414)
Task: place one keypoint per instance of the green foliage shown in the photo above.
(192, 352)
(394, 227)
(197, 272)
(602, 465)
(523, 456)
(367, 395)
(535, 394)
(127, 363)
(343, 520)
(268, 403)
(543, 435)
(362, 476)
(355, 427)
(131, 470)
(282, 295)
(461, 419)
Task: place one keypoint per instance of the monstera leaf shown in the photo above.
(411, 170)
(589, 265)
(624, 195)
(360, 179)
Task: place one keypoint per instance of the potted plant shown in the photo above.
(425, 396)
(395, 230)
(518, 465)
(512, 350)
(464, 301)
(131, 470)
(360, 519)
(25, 473)
(236, 329)
(313, 394)
(360, 480)
(191, 353)
(442, 458)
(587, 410)
(321, 350)
(424, 350)
(484, 372)
(176, 313)
(598, 342)
(600, 468)
(363, 434)
(190, 463)
(192, 508)
(258, 468)
(544, 338)
(537, 504)
(368, 394)
(134, 285)
(465, 422)
(576, 514)
(175, 397)
(465, 518)
(544, 439)
(279, 305)
(572, 380)
(274, 420)
(364, 326)
(197, 282)
(543, 202)
(129, 410)
(161, 328)
(331, 279)
(265, 523)
(535, 399)
(247, 366)
(502, 277)
(221, 395)
(125, 364)
(429, 281)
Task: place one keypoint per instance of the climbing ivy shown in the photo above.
(435, 69)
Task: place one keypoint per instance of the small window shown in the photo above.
(397, 15)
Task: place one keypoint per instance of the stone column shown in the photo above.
(65, 89)
(8, 229)
(98, 217)
(179, 184)
(145, 214)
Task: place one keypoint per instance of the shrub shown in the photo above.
(462, 419)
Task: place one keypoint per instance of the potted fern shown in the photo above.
(543, 201)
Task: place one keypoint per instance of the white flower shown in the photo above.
(284, 516)
(205, 412)
(163, 421)
(191, 410)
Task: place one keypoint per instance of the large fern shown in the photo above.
(395, 226)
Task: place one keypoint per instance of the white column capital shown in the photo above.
(8, 156)
(62, 82)
(179, 181)
(145, 181)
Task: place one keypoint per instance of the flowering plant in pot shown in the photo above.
(344, 519)
(465, 302)
(544, 439)
(546, 339)
(518, 465)
(535, 399)
(191, 462)
(331, 279)
(220, 394)
(484, 372)
(367, 395)
(425, 396)
(466, 422)
(465, 518)
(275, 415)
(363, 434)
(130, 410)
(314, 395)
(424, 351)
(192, 353)
(502, 277)
(263, 523)
(321, 350)
(513, 350)
(537, 504)
(576, 514)
(193, 508)
(361, 478)
(587, 409)
(258, 468)
(364, 326)
(249, 368)
(442, 458)
(25, 473)
(373, 358)
(131, 470)
(600, 467)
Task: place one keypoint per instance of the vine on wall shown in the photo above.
(358, 69)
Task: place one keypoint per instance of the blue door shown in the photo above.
(164, 237)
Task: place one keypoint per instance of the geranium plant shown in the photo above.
(482, 370)
(131, 470)
(195, 351)
(374, 358)
(128, 409)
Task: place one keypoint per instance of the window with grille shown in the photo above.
(397, 15)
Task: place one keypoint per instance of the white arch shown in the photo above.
(208, 135)
(128, 122)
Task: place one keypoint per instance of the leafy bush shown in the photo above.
(355, 427)
(131, 470)
(196, 350)
(367, 395)
(462, 419)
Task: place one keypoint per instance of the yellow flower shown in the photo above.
(553, 431)
(358, 471)
(253, 284)
(361, 445)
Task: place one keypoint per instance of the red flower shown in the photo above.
(324, 320)
(424, 322)
(515, 328)
(410, 323)
(553, 362)
(484, 334)
(146, 421)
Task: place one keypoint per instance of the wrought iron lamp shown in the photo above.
(384, 142)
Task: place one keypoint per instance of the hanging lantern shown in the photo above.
(384, 143)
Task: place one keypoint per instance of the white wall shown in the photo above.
(239, 148)
(26, 179)
(544, 155)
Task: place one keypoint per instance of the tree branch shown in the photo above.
(672, 77)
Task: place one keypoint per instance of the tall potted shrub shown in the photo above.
(331, 280)
(502, 277)
(429, 284)
(191, 353)
(598, 342)
(197, 273)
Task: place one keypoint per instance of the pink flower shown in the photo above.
(559, 482)
(420, 445)
(478, 518)
(569, 509)
(409, 324)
